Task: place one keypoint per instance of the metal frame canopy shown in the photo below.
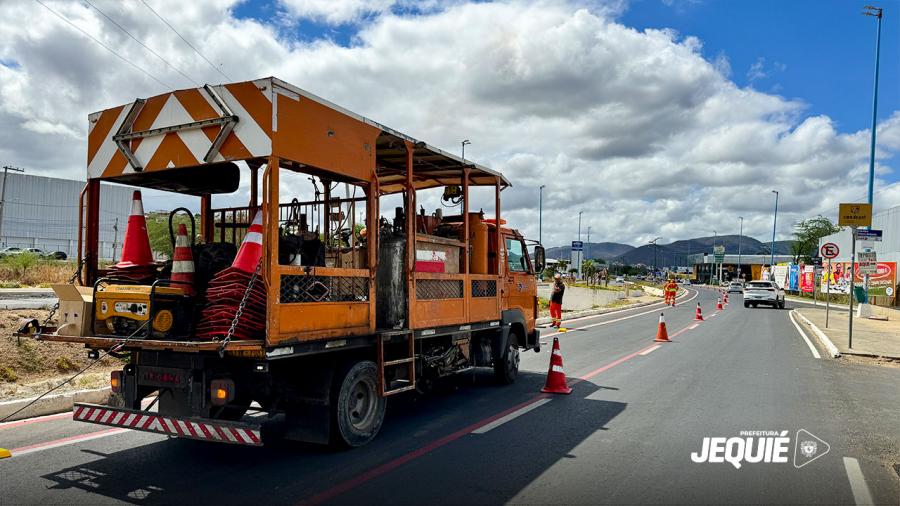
(185, 141)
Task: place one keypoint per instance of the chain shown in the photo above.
(240, 309)
(55, 307)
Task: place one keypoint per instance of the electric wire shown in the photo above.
(126, 60)
(120, 27)
(217, 69)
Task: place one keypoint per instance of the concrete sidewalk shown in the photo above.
(870, 337)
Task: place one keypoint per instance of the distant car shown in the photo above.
(685, 282)
(10, 250)
(764, 293)
(620, 280)
(735, 286)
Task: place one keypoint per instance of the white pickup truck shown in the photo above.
(765, 293)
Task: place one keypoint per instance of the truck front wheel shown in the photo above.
(358, 409)
(506, 368)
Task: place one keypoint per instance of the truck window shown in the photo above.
(515, 256)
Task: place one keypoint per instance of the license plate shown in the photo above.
(163, 377)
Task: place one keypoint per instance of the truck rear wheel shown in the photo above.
(358, 409)
(507, 367)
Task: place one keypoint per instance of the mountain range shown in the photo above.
(673, 253)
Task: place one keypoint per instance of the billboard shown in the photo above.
(793, 278)
(807, 279)
(837, 280)
(780, 276)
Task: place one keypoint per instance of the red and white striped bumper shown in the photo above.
(194, 428)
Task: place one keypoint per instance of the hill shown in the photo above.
(676, 253)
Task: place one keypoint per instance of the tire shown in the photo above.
(746, 304)
(781, 304)
(358, 409)
(507, 367)
(754, 304)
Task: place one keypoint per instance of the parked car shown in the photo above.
(764, 293)
(53, 255)
(10, 250)
(735, 286)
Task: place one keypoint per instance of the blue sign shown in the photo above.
(794, 277)
(577, 245)
(868, 235)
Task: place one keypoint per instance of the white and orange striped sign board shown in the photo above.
(273, 118)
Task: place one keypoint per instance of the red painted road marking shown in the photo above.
(28, 421)
(24, 450)
(389, 466)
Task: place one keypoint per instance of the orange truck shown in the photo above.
(356, 295)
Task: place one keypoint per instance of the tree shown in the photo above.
(589, 269)
(806, 237)
(158, 231)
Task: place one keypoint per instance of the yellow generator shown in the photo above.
(122, 310)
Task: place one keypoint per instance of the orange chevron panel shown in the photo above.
(171, 149)
(255, 103)
(199, 109)
(101, 130)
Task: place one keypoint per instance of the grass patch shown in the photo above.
(64, 364)
(27, 269)
(29, 360)
(8, 375)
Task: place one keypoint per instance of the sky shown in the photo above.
(654, 118)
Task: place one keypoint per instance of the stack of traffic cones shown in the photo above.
(556, 376)
(228, 287)
(137, 259)
(699, 316)
(183, 262)
(662, 336)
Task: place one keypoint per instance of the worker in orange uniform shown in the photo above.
(670, 290)
(556, 298)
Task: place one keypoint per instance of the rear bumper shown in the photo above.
(193, 428)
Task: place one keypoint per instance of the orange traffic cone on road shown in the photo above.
(719, 304)
(183, 262)
(556, 376)
(662, 335)
(726, 298)
(136, 248)
(251, 248)
(699, 316)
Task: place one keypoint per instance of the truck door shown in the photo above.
(519, 284)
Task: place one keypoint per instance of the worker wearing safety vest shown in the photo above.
(670, 290)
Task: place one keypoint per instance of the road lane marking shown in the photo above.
(861, 494)
(696, 293)
(649, 350)
(90, 436)
(515, 414)
(692, 327)
(28, 421)
(809, 343)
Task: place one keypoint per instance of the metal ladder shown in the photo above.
(409, 361)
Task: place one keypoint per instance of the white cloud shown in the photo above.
(635, 128)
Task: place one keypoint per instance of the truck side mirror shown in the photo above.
(540, 259)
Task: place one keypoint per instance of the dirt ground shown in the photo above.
(29, 367)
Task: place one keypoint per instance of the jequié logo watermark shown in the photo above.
(761, 446)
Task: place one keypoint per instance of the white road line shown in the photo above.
(649, 350)
(809, 343)
(861, 494)
(692, 327)
(515, 414)
(712, 315)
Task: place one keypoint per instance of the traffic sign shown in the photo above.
(577, 245)
(719, 258)
(719, 250)
(830, 250)
(868, 262)
(868, 235)
(855, 215)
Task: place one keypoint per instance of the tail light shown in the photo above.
(115, 381)
(221, 391)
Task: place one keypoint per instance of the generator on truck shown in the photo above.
(304, 314)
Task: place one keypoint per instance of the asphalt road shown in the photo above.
(625, 435)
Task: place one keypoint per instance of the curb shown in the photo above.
(829, 346)
(821, 303)
(52, 404)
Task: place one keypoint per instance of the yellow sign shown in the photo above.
(855, 215)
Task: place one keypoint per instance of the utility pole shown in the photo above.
(774, 222)
(875, 12)
(589, 243)
(6, 169)
(740, 242)
(541, 214)
(655, 249)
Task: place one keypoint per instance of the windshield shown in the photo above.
(759, 284)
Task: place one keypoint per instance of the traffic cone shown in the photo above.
(726, 298)
(251, 248)
(719, 304)
(136, 249)
(699, 316)
(556, 377)
(183, 262)
(661, 335)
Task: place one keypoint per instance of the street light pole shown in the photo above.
(740, 242)
(6, 169)
(876, 12)
(655, 249)
(774, 223)
(541, 214)
(589, 243)
(579, 224)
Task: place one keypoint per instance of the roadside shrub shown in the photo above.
(63, 364)
(7, 374)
